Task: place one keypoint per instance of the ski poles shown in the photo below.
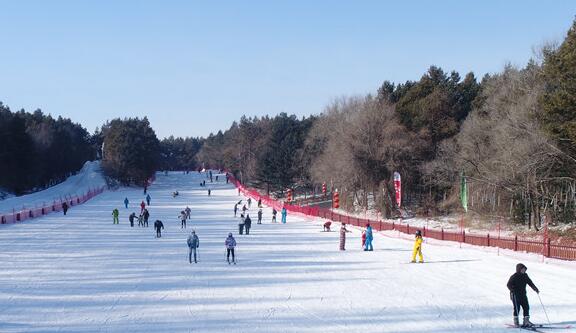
(544, 309)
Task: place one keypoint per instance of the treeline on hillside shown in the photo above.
(513, 136)
(179, 153)
(132, 152)
(265, 152)
(37, 150)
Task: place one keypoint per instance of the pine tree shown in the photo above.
(559, 99)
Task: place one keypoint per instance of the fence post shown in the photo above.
(516, 243)
(488, 238)
(408, 229)
(464, 236)
(441, 233)
(548, 247)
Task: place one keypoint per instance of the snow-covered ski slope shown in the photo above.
(89, 177)
(81, 273)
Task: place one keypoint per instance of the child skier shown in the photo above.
(249, 202)
(363, 238)
(274, 212)
(115, 214)
(193, 244)
(517, 286)
(327, 226)
(142, 206)
(343, 232)
(368, 246)
(230, 244)
(182, 218)
(126, 202)
(141, 220)
(259, 216)
(188, 211)
(158, 225)
(417, 247)
(148, 198)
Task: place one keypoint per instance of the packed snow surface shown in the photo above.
(81, 273)
(89, 177)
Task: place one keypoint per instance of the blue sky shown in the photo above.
(194, 67)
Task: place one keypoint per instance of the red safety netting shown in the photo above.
(56, 206)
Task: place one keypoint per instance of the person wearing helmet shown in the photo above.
(417, 247)
(517, 286)
(230, 244)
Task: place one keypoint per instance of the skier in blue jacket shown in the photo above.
(284, 213)
(369, 237)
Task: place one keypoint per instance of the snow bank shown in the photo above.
(89, 177)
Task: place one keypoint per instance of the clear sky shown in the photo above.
(194, 67)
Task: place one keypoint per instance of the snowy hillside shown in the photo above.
(81, 273)
(88, 177)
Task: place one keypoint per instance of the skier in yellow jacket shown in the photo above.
(418, 247)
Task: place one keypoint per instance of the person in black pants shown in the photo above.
(247, 224)
(517, 286)
(65, 207)
(159, 226)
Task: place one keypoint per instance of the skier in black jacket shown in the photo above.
(159, 226)
(517, 286)
(131, 218)
(247, 224)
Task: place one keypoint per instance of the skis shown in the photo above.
(536, 327)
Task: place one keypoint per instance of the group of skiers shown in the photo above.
(516, 284)
(194, 243)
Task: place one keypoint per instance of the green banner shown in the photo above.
(463, 192)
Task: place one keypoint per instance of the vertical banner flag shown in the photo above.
(398, 188)
(463, 192)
